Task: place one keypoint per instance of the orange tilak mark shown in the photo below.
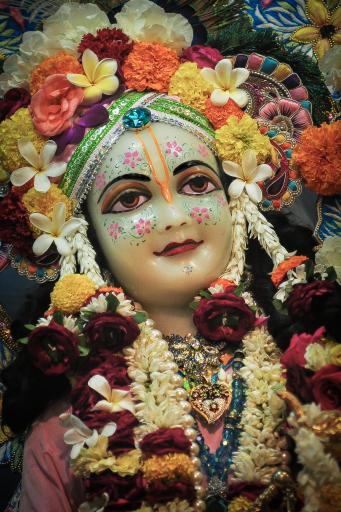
(165, 183)
(162, 184)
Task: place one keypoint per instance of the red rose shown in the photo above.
(161, 492)
(326, 387)
(53, 348)
(165, 440)
(203, 56)
(301, 300)
(125, 493)
(298, 383)
(294, 355)
(13, 100)
(225, 317)
(114, 369)
(111, 330)
(15, 225)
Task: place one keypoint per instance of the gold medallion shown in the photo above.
(211, 401)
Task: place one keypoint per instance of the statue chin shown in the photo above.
(160, 215)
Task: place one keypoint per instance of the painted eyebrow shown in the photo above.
(191, 163)
(139, 177)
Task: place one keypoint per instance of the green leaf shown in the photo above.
(239, 290)
(140, 317)
(112, 302)
(30, 327)
(23, 341)
(205, 294)
(280, 306)
(58, 317)
(193, 305)
(83, 351)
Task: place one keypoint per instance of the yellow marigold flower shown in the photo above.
(238, 135)
(44, 202)
(19, 125)
(335, 355)
(70, 293)
(172, 465)
(190, 86)
(239, 504)
(60, 63)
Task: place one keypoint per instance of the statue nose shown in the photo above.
(172, 215)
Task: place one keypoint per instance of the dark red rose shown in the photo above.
(114, 369)
(13, 100)
(298, 383)
(225, 317)
(111, 330)
(161, 492)
(15, 225)
(165, 440)
(326, 387)
(53, 348)
(294, 355)
(203, 56)
(108, 43)
(122, 440)
(125, 493)
(301, 300)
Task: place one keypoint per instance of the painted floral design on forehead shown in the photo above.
(177, 152)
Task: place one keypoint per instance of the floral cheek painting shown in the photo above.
(131, 227)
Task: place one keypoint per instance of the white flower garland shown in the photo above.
(235, 267)
(319, 467)
(259, 452)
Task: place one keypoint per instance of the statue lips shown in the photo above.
(177, 248)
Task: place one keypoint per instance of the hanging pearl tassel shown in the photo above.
(235, 267)
(261, 229)
(86, 256)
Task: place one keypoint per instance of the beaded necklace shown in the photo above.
(196, 359)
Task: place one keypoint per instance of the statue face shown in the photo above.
(161, 215)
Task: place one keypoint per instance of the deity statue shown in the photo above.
(149, 179)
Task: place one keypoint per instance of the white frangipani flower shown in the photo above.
(80, 435)
(55, 230)
(41, 167)
(226, 81)
(248, 174)
(116, 400)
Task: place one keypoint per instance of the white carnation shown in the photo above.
(329, 255)
(143, 20)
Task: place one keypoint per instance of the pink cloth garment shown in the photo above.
(48, 484)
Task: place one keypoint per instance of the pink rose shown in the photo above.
(203, 56)
(53, 106)
(294, 355)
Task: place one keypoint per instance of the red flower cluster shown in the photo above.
(53, 348)
(165, 440)
(125, 493)
(225, 317)
(203, 56)
(108, 43)
(301, 300)
(14, 224)
(13, 100)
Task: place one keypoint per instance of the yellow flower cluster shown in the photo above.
(11, 130)
(172, 465)
(188, 84)
(44, 202)
(239, 504)
(70, 293)
(238, 135)
(98, 459)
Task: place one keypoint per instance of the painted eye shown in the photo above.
(198, 184)
(127, 201)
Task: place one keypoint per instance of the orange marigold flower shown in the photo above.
(61, 63)
(150, 66)
(279, 273)
(317, 157)
(219, 115)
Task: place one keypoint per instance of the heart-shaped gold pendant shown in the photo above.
(211, 401)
